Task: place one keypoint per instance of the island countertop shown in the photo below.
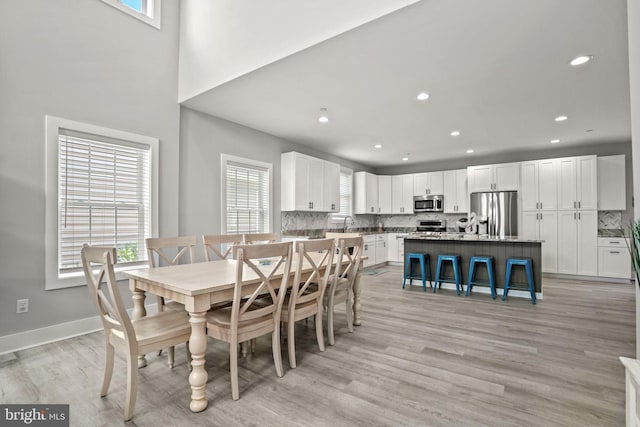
(470, 238)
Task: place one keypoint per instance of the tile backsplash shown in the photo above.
(293, 221)
(610, 220)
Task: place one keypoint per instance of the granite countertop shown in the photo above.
(320, 233)
(612, 232)
(472, 238)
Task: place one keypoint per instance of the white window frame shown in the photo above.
(226, 158)
(338, 217)
(53, 280)
(151, 15)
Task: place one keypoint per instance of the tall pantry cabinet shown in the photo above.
(578, 216)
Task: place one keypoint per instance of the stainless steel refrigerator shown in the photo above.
(496, 213)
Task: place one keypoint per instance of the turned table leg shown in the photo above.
(138, 312)
(357, 306)
(198, 348)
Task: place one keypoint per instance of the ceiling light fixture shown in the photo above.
(422, 96)
(323, 116)
(579, 60)
(377, 146)
(561, 118)
(455, 133)
(469, 151)
(405, 159)
(554, 141)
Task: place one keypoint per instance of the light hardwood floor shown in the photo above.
(419, 359)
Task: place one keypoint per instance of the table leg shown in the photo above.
(138, 312)
(357, 305)
(198, 348)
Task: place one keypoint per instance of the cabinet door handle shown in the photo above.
(614, 252)
(615, 243)
(579, 215)
(574, 205)
(579, 204)
(310, 205)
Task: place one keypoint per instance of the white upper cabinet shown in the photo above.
(455, 191)
(365, 193)
(384, 194)
(577, 183)
(428, 183)
(500, 177)
(331, 190)
(612, 188)
(306, 181)
(402, 194)
(539, 185)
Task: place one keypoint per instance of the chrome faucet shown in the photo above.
(346, 227)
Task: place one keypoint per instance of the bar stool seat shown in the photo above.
(425, 268)
(457, 273)
(527, 264)
(491, 275)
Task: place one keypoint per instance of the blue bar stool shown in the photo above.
(425, 268)
(526, 263)
(457, 274)
(488, 262)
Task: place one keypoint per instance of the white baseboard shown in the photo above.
(53, 333)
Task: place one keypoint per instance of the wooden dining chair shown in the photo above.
(342, 281)
(135, 337)
(246, 320)
(254, 238)
(307, 296)
(162, 251)
(220, 246)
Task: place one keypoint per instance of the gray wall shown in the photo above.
(85, 61)
(202, 139)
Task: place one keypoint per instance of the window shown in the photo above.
(145, 10)
(346, 195)
(246, 195)
(99, 191)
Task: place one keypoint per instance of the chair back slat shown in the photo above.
(349, 248)
(221, 245)
(97, 263)
(303, 291)
(249, 258)
(158, 249)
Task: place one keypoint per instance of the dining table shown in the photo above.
(201, 285)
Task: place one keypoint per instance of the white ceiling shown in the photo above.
(496, 70)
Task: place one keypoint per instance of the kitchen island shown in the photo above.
(467, 246)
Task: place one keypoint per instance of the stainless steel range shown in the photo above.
(431, 226)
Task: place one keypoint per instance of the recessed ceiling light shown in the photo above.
(579, 60)
(561, 118)
(422, 96)
(404, 159)
(377, 146)
(554, 141)
(323, 116)
(455, 133)
(469, 151)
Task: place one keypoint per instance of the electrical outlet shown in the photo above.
(23, 306)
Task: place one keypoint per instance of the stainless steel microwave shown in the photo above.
(428, 203)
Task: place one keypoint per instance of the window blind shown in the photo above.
(104, 197)
(247, 198)
(346, 194)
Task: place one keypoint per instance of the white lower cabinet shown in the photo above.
(381, 249)
(614, 259)
(369, 250)
(376, 249)
(578, 242)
